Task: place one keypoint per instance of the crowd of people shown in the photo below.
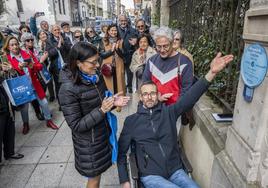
(85, 65)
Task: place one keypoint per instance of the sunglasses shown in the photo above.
(77, 36)
(28, 40)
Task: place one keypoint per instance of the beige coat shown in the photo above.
(120, 72)
(136, 59)
(137, 62)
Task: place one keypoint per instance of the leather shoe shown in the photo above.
(15, 156)
(40, 116)
(26, 128)
(52, 125)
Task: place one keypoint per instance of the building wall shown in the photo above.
(30, 7)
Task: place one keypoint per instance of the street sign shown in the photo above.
(254, 66)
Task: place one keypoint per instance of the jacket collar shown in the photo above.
(143, 110)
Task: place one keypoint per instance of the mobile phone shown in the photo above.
(28, 60)
(40, 14)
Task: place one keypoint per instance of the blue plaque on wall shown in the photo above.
(254, 66)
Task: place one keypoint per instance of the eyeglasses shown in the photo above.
(140, 26)
(28, 40)
(177, 39)
(146, 95)
(95, 62)
(165, 47)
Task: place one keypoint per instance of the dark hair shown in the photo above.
(79, 31)
(24, 26)
(38, 34)
(106, 37)
(86, 35)
(80, 52)
(147, 36)
(149, 82)
(140, 20)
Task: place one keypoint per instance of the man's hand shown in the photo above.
(218, 64)
(126, 185)
(164, 97)
(120, 100)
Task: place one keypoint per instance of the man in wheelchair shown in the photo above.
(153, 129)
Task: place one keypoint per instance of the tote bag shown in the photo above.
(19, 90)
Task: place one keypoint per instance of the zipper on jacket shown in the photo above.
(159, 144)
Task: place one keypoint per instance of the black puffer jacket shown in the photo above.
(90, 131)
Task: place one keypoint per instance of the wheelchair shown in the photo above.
(133, 167)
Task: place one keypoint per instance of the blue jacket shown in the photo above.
(155, 136)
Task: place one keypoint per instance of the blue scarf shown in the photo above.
(92, 79)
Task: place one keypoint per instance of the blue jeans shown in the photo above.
(178, 179)
(44, 106)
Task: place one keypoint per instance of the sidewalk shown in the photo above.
(48, 155)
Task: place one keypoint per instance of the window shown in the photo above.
(84, 14)
(60, 6)
(63, 6)
(19, 4)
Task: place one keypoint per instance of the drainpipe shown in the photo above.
(54, 10)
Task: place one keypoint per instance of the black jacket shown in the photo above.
(3, 101)
(80, 105)
(65, 47)
(128, 49)
(155, 135)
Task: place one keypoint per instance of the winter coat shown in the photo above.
(33, 72)
(65, 47)
(128, 49)
(80, 104)
(155, 136)
(136, 63)
(107, 58)
(95, 41)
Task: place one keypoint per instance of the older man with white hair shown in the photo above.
(171, 71)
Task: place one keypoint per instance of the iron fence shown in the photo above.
(210, 26)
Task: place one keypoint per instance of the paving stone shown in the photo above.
(40, 139)
(62, 139)
(110, 177)
(71, 178)
(31, 155)
(56, 154)
(15, 176)
(71, 159)
(46, 175)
